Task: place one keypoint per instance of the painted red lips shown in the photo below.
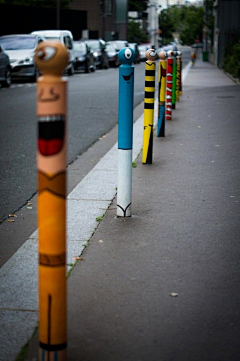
(51, 132)
(127, 77)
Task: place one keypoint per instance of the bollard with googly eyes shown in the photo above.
(51, 59)
(174, 80)
(161, 93)
(125, 132)
(149, 98)
(169, 80)
(178, 75)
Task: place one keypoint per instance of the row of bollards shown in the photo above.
(51, 59)
(169, 84)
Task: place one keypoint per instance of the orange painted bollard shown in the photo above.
(51, 59)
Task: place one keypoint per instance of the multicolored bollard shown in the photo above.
(178, 76)
(174, 78)
(180, 85)
(169, 85)
(161, 93)
(125, 132)
(149, 98)
(51, 59)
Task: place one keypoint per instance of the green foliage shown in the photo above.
(192, 25)
(40, 3)
(135, 33)
(186, 20)
(139, 5)
(232, 60)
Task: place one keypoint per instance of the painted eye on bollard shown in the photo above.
(153, 53)
(46, 53)
(128, 54)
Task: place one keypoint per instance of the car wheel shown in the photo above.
(87, 70)
(106, 65)
(36, 75)
(8, 78)
(71, 70)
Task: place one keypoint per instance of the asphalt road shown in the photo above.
(93, 102)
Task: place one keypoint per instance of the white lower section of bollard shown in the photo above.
(124, 191)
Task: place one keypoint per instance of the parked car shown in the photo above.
(84, 58)
(5, 68)
(134, 46)
(119, 44)
(21, 49)
(63, 36)
(197, 45)
(166, 48)
(112, 54)
(142, 51)
(99, 51)
(174, 46)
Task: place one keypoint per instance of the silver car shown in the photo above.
(21, 49)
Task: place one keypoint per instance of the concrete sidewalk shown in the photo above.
(164, 284)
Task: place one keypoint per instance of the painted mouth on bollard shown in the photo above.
(127, 77)
(51, 134)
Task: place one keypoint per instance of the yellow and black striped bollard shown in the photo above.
(149, 98)
(178, 77)
(52, 58)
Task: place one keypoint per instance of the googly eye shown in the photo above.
(46, 53)
(153, 53)
(128, 54)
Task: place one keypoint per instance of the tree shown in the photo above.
(135, 33)
(185, 20)
(140, 5)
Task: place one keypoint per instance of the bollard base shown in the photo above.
(124, 190)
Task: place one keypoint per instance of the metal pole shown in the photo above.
(51, 59)
(161, 94)
(169, 85)
(149, 97)
(125, 132)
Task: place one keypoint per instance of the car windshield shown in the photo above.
(56, 38)
(18, 43)
(94, 45)
(111, 48)
(79, 46)
(119, 44)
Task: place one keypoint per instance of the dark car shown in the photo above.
(5, 69)
(112, 54)
(83, 56)
(21, 49)
(134, 46)
(98, 47)
(119, 44)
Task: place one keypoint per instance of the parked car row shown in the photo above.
(17, 53)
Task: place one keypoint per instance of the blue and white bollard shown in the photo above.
(125, 132)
